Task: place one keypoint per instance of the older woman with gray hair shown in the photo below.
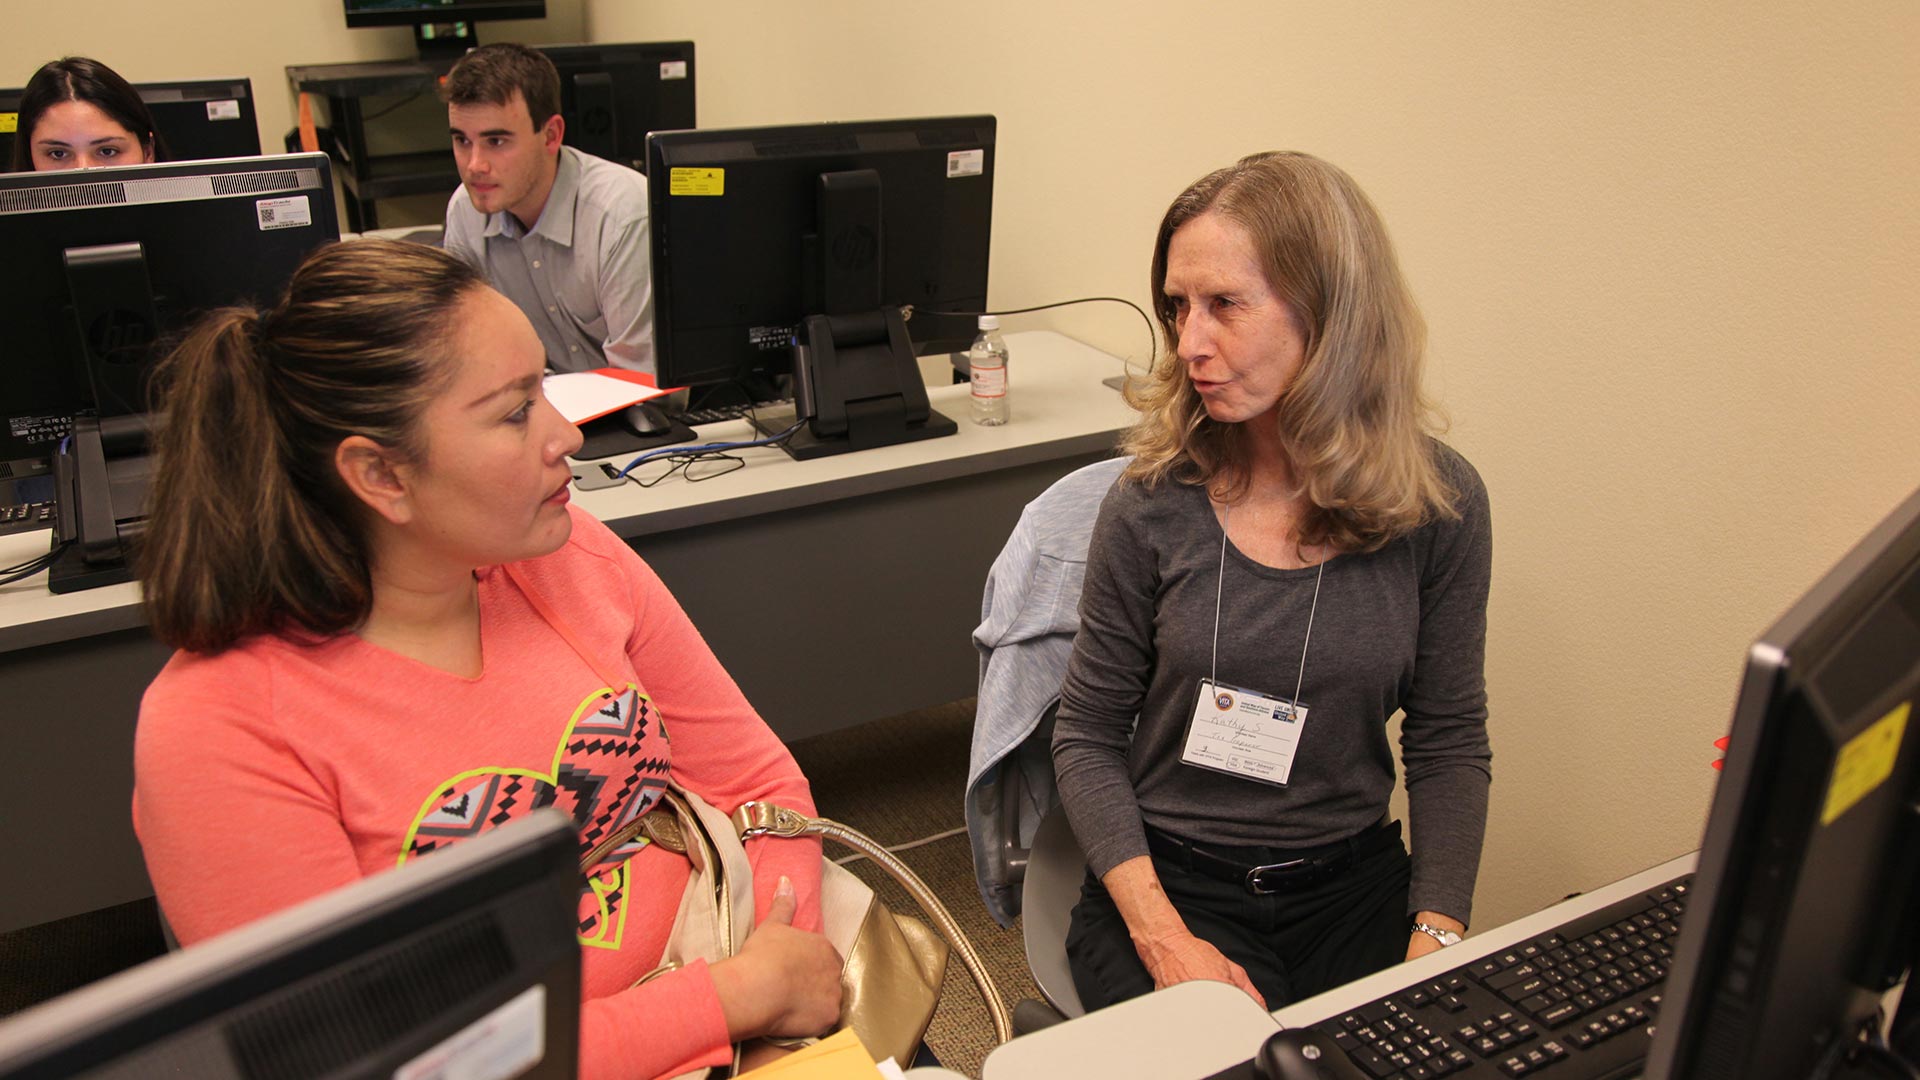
(1291, 559)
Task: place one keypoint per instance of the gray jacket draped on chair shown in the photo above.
(1028, 617)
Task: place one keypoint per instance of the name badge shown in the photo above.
(1244, 733)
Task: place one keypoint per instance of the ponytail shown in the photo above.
(253, 531)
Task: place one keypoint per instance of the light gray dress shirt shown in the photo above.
(582, 274)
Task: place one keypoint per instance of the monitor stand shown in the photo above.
(858, 384)
(804, 445)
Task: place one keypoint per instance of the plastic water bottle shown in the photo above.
(987, 360)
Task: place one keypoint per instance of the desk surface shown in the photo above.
(1184, 1036)
(1184, 1032)
(1059, 410)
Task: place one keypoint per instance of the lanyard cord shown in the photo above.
(1220, 585)
(1226, 515)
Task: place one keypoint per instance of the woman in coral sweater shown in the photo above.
(395, 634)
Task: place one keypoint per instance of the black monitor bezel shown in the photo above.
(61, 386)
(1750, 898)
(930, 332)
(426, 12)
(165, 93)
(530, 865)
(575, 57)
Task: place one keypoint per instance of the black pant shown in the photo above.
(1292, 944)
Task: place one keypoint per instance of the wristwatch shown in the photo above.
(1444, 937)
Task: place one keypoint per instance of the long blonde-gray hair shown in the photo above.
(1354, 423)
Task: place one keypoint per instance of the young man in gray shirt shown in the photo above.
(563, 234)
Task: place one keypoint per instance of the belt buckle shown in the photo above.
(1289, 867)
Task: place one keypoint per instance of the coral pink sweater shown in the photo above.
(277, 770)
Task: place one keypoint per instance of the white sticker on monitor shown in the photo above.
(966, 163)
(223, 110)
(504, 1043)
(288, 213)
(673, 69)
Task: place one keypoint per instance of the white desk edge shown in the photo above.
(1196, 1029)
(1190, 1030)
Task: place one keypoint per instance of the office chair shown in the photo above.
(1048, 891)
(1029, 615)
(1026, 860)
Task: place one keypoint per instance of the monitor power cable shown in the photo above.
(1153, 337)
(684, 456)
(21, 571)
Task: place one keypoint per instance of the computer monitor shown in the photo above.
(193, 120)
(103, 265)
(850, 238)
(203, 118)
(441, 28)
(102, 268)
(462, 963)
(612, 96)
(1805, 907)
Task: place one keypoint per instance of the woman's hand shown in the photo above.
(784, 982)
(1182, 957)
(1171, 952)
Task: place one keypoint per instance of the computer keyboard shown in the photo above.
(22, 517)
(715, 415)
(1576, 1002)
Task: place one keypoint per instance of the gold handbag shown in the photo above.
(893, 963)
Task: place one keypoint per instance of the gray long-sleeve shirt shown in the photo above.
(1399, 629)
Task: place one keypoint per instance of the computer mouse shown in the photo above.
(1303, 1054)
(645, 419)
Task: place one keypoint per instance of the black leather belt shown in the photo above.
(1287, 871)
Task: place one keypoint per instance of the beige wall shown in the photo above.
(1667, 252)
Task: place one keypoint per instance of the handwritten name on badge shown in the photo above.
(1244, 733)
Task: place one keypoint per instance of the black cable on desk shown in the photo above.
(21, 571)
(690, 454)
(1153, 334)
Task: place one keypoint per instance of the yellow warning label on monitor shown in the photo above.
(1865, 763)
(9, 122)
(697, 182)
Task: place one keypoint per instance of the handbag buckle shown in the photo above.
(768, 819)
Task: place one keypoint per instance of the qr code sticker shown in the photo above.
(287, 213)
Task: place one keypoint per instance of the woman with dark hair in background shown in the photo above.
(394, 633)
(78, 113)
(1290, 559)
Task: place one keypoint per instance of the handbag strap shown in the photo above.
(561, 626)
(771, 819)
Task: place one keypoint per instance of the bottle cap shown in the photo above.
(989, 322)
